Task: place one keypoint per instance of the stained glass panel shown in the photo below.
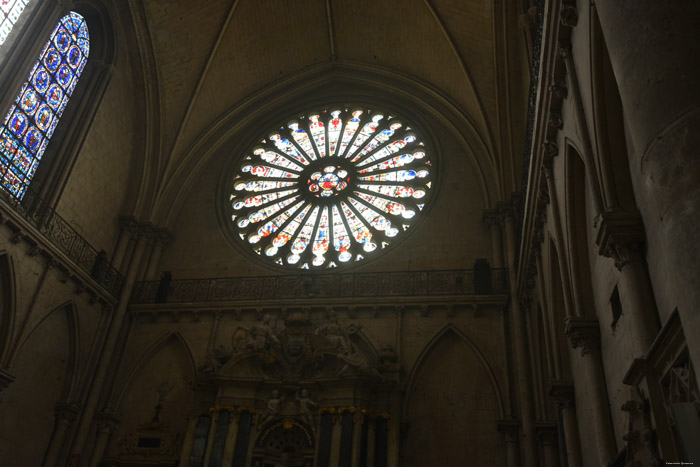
(32, 120)
(10, 11)
(329, 188)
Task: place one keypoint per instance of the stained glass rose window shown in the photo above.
(330, 187)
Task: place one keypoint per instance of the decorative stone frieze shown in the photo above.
(620, 236)
(583, 333)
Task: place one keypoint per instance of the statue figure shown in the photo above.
(335, 335)
(262, 336)
(261, 339)
(305, 406)
(274, 405)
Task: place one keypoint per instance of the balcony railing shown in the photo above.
(61, 234)
(462, 282)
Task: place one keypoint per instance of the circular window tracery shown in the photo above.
(330, 188)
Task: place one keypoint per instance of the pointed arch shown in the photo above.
(147, 356)
(38, 108)
(7, 305)
(450, 329)
(72, 320)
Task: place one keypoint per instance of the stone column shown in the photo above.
(370, 442)
(128, 228)
(108, 349)
(621, 237)
(562, 391)
(491, 219)
(231, 439)
(149, 232)
(547, 437)
(162, 239)
(335, 440)
(584, 333)
(210, 439)
(652, 46)
(188, 441)
(522, 369)
(357, 438)
(65, 416)
(509, 429)
(107, 422)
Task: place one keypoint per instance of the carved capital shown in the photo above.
(563, 49)
(620, 236)
(559, 89)
(509, 427)
(506, 212)
(555, 121)
(583, 333)
(490, 218)
(66, 413)
(562, 391)
(568, 16)
(546, 433)
(107, 421)
(129, 226)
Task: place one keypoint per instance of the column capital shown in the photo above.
(107, 421)
(620, 236)
(562, 391)
(129, 225)
(66, 412)
(546, 432)
(559, 89)
(568, 15)
(491, 218)
(510, 428)
(506, 211)
(584, 333)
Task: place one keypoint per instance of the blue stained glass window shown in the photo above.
(34, 115)
(9, 14)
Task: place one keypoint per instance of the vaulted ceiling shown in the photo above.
(211, 56)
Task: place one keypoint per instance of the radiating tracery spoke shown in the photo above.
(330, 188)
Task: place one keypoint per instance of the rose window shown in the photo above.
(330, 188)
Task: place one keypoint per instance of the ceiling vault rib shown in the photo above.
(331, 31)
(467, 76)
(200, 82)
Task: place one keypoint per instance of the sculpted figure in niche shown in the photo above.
(336, 337)
(261, 338)
(305, 406)
(274, 405)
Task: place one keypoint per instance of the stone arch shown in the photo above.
(7, 305)
(159, 384)
(440, 397)
(450, 328)
(73, 326)
(315, 86)
(147, 356)
(45, 367)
